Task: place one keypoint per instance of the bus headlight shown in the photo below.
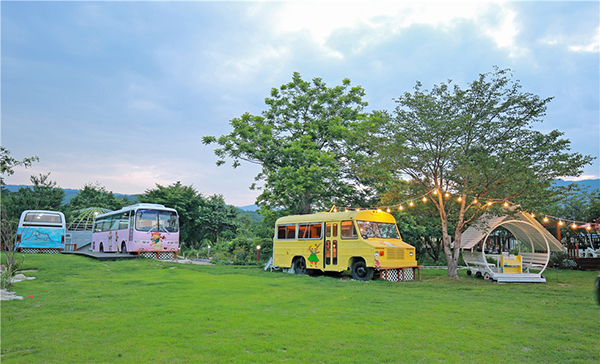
(411, 254)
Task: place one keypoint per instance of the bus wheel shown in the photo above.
(299, 266)
(124, 248)
(101, 248)
(361, 272)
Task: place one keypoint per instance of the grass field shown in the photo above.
(145, 311)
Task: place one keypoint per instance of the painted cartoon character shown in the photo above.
(377, 264)
(156, 240)
(39, 236)
(313, 259)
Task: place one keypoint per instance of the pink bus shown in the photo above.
(137, 228)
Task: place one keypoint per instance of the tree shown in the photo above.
(216, 217)
(44, 194)
(301, 143)
(186, 200)
(7, 163)
(96, 195)
(475, 144)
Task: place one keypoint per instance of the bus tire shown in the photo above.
(360, 271)
(101, 248)
(299, 266)
(124, 248)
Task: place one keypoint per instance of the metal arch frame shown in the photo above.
(528, 235)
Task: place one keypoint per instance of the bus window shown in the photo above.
(370, 229)
(286, 232)
(310, 231)
(348, 230)
(145, 220)
(168, 221)
(334, 230)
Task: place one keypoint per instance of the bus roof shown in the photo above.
(137, 206)
(366, 215)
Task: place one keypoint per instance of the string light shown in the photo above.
(560, 220)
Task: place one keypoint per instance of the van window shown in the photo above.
(42, 217)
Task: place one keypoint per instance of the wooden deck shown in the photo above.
(102, 256)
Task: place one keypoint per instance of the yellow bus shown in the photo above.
(362, 241)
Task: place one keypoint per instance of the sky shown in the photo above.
(121, 93)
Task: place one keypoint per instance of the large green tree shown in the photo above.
(216, 217)
(478, 145)
(44, 194)
(301, 142)
(96, 195)
(186, 200)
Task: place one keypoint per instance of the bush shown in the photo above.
(561, 260)
(8, 272)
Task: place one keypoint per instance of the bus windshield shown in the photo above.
(383, 230)
(156, 220)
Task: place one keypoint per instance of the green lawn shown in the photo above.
(145, 311)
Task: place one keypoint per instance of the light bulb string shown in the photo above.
(475, 200)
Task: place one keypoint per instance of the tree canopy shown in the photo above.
(475, 144)
(301, 142)
(96, 195)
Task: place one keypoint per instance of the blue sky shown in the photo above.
(122, 92)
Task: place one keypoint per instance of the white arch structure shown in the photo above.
(526, 230)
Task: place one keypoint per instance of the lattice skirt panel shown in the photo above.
(40, 250)
(158, 255)
(395, 275)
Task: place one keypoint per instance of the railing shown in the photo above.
(70, 247)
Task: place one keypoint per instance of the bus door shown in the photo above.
(330, 252)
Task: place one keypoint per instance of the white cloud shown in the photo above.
(381, 19)
(593, 46)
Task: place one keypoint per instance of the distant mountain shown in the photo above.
(248, 208)
(69, 192)
(587, 184)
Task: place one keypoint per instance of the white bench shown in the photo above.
(475, 259)
(534, 260)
